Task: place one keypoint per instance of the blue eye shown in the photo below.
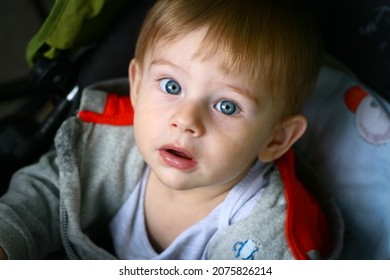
(170, 86)
(227, 107)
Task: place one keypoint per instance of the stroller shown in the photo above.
(346, 147)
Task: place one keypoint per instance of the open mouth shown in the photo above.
(179, 154)
(178, 158)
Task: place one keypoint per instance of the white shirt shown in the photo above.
(128, 227)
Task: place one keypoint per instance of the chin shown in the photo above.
(174, 183)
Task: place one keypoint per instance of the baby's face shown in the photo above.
(196, 126)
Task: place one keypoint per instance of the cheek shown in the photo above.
(145, 124)
(234, 148)
(146, 111)
(240, 148)
(143, 127)
(228, 163)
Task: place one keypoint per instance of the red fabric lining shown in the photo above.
(307, 228)
(117, 111)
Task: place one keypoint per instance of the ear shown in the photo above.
(284, 135)
(134, 78)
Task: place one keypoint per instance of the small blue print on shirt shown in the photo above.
(245, 250)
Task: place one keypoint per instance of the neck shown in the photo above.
(205, 195)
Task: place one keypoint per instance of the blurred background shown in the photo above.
(31, 110)
(19, 21)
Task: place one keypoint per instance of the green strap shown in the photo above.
(72, 24)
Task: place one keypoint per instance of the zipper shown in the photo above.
(65, 237)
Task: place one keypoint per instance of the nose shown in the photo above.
(189, 118)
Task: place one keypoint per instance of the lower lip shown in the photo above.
(177, 162)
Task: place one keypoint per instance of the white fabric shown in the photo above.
(347, 145)
(129, 231)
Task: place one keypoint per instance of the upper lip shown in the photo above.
(178, 150)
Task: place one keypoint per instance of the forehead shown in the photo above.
(196, 46)
(185, 46)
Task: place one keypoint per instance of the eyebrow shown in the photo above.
(243, 92)
(163, 61)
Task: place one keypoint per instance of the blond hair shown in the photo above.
(274, 42)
